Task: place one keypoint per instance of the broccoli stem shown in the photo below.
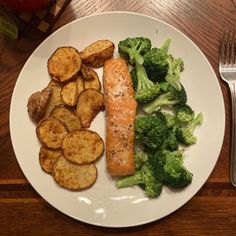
(163, 99)
(195, 122)
(130, 180)
(143, 81)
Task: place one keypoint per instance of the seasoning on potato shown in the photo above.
(72, 176)
(67, 116)
(55, 99)
(64, 64)
(80, 84)
(69, 93)
(51, 132)
(82, 146)
(90, 102)
(97, 53)
(48, 157)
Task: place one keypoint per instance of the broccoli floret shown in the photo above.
(169, 98)
(140, 158)
(175, 66)
(183, 113)
(185, 134)
(171, 142)
(134, 78)
(164, 86)
(155, 62)
(149, 177)
(151, 130)
(133, 50)
(170, 119)
(176, 174)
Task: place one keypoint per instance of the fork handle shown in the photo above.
(232, 87)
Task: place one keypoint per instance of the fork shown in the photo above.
(227, 68)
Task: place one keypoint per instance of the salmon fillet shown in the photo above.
(120, 107)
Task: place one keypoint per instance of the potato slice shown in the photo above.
(72, 176)
(94, 83)
(54, 83)
(50, 132)
(90, 102)
(55, 99)
(37, 104)
(82, 146)
(64, 64)
(48, 157)
(71, 120)
(97, 53)
(91, 79)
(69, 93)
(80, 84)
(87, 72)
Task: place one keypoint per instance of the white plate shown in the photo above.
(103, 204)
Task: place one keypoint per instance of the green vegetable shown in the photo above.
(183, 113)
(169, 98)
(176, 174)
(185, 134)
(151, 130)
(171, 142)
(140, 158)
(155, 62)
(149, 177)
(133, 50)
(175, 66)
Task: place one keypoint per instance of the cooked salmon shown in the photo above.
(120, 107)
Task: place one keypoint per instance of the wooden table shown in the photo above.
(211, 211)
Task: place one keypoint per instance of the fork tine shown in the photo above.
(232, 49)
(228, 51)
(223, 49)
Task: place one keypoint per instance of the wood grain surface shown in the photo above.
(212, 211)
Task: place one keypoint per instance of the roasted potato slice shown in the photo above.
(38, 103)
(94, 83)
(90, 102)
(64, 114)
(90, 77)
(64, 64)
(82, 146)
(50, 132)
(80, 84)
(55, 99)
(48, 157)
(97, 53)
(73, 176)
(54, 83)
(87, 72)
(69, 93)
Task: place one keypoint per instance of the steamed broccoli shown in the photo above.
(169, 98)
(140, 158)
(175, 66)
(170, 119)
(185, 134)
(176, 174)
(134, 78)
(155, 62)
(171, 142)
(183, 113)
(149, 177)
(151, 130)
(133, 50)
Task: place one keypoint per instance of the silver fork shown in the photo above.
(227, 68)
